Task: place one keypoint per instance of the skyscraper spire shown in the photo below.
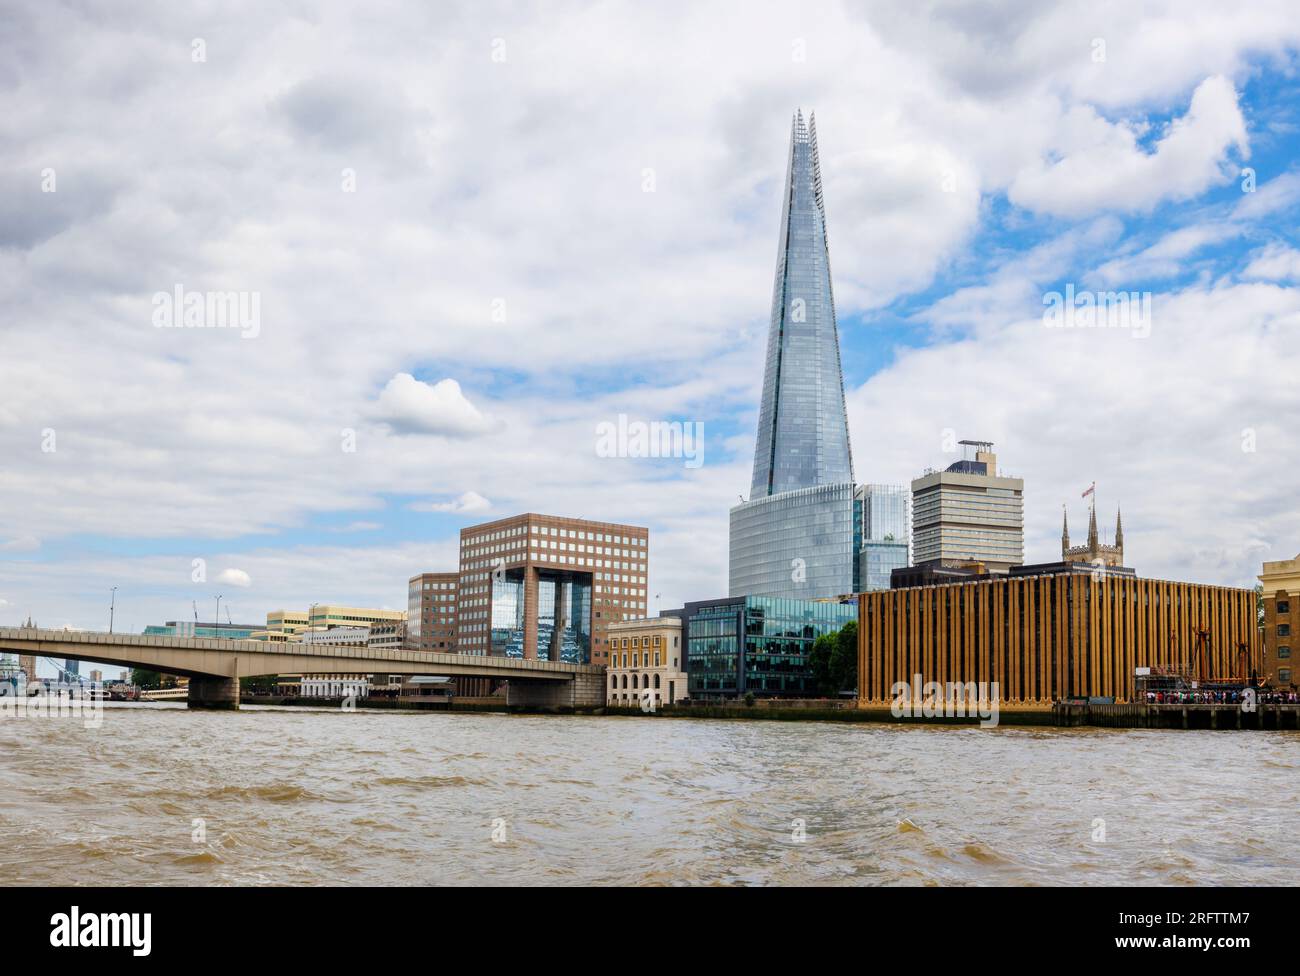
(798, 536)
(803, 431)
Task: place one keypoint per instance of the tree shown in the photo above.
(833, 660)
(819, 663)
(145, 679)
(844, 659)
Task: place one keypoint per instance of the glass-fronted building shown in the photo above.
(563, 631)
(756, 644)
(188, 628)
(886, 528)
(798, 544)
(795, 535)
(876, 560)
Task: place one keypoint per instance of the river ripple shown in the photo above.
(306, 796)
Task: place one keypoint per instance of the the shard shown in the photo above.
(795, 536)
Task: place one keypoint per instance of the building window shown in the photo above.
(1284, 652)
(1283, 630)
(1283, 606)
(1284, 675)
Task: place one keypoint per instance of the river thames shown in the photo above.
(158, 795)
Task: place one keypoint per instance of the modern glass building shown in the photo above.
(795, 535)
(756, 644)
(876, 561)
(886, 528)
(188, 628)
(563, 631)
(798, 544)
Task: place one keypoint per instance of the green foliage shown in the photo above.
(146, 679)
(749, 699)
(833, 660)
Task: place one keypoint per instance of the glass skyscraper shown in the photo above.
(885, 532)
(798, 534)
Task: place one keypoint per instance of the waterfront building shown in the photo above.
(324, 616)
(757, 644)
(1052, 632)
(355, 636)
(647, 657)
(969, 513)
(542, 586)
(288, 621)
(334, 686)
(387, 635)
(1094, 552)
(1280, 582)
(886, 528)
(431, 611)
(191, 628)
(796, 536)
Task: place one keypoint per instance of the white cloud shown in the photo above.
(409, 405)
(523, 181)
(1188, 428)
(1098, 165)
(1276, 262)
(23, 543)
(234, 577)
(466, 503)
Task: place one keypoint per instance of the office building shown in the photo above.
(191, 628)
(647, 660)
(796, 536)
(324, 616)
(431, 611)
(1053, 632)
(886, 528)
(969, 513)
(757, 644)
(540, 586)
(1280, 581)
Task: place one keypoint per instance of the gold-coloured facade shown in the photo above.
(1051, 637)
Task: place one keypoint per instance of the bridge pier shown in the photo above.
(583, 691)
(212, 691)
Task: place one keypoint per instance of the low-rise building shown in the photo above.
(1280, 581)
(1051, 632)
(757, 645)
(646, 661)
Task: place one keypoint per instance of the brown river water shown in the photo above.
(157, 795)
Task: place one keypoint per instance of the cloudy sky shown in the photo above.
(475, 232)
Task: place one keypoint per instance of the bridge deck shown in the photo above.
(246, 658)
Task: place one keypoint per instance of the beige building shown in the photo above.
(326, 616)
(969, 513)
(646, 658)
(1281, 583)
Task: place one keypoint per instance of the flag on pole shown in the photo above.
(1091, 489)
